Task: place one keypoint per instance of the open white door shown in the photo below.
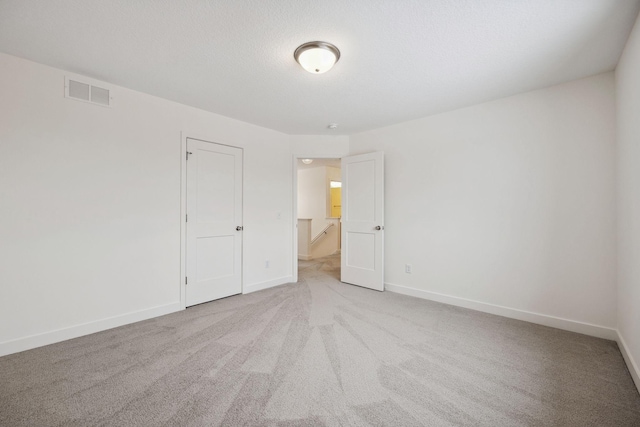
(363, 220)
(214, 221)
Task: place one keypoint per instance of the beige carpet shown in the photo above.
(321, 353)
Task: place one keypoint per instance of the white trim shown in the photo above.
(513, 313)
(628, 358)
(268, 284)
(51, 337)
(294, 218)
(183, 222)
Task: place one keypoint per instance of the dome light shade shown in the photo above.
(317, 57)
(307, 161)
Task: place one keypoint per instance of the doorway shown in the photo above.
(361, 222)
(319, 211)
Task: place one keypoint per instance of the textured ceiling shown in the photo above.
(401, 59)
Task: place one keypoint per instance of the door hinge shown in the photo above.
(188, 152)
(186, 218)
(185, 280)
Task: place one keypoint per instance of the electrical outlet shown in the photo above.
(407, 268)
(266, 264)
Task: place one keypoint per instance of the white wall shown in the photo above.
(508, 203)
(628, 114)
(320, 146)
(90, 218)
(312, 196)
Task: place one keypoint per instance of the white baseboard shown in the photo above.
(51, 337)
(527, 316)
(628, 358)
(266, 285)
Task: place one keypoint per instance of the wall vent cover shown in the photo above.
(88, 91)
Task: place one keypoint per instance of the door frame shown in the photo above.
(294, 215)
(184, 135)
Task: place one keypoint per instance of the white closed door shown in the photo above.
(214, 221)
(363, 220)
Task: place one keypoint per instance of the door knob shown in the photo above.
(379, 228)
(239, 228)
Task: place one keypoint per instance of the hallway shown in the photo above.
(319, 267)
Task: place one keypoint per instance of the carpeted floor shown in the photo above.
(321, 353)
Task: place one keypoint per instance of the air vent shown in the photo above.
(100, 95)
(87, 92)
(79, 90)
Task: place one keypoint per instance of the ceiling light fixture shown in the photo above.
(317, 57)
(333, 126)
(307, 161)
